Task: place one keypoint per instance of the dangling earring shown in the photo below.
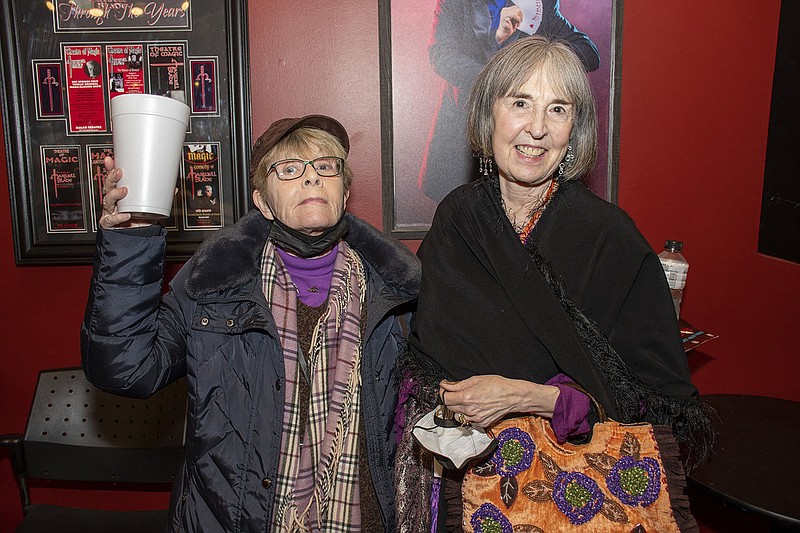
(485, 165)
(566, 163)
(570, 157)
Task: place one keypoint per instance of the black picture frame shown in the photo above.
(409, 94)
(54, 137)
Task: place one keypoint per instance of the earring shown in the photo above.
(567, 162)
(485, 165)
(570, 157)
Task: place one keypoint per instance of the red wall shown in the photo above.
(697, 81)
(695, 104)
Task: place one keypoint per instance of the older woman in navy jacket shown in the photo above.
(287, 327)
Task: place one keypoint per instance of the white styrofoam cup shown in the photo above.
(148, 132)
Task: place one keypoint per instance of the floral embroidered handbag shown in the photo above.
(616, 482)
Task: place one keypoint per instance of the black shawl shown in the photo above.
(488, 305)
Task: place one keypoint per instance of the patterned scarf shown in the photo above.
(317, 485)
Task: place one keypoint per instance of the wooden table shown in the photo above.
(756, 464)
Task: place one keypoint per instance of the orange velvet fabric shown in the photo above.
(531, 483)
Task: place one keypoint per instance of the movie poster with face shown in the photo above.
(124, 65)
(201, 186)
(63, 193)
(166, 64)
(49, 90)
(428, 65)
(85, 98)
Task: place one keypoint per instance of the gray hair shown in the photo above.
(509, 69)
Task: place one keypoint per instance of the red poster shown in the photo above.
(87, 113)
(63, 198)
(124, 66)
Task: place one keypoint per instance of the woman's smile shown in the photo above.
(530, 151)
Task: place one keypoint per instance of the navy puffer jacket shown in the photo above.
(214, 326)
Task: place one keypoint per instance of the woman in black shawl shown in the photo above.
(530, 280)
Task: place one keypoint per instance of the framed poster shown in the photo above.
(432, 50)
(63, 61)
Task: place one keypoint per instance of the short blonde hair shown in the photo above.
(509, 69)
(304, 143)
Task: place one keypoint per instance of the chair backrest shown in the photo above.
(77, 432)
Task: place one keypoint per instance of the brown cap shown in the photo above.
(281, 128)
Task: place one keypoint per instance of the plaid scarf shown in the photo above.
(317, 486)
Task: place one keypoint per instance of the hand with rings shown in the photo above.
(110, 218)
(459, 417)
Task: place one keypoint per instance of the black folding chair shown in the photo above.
(78, 433)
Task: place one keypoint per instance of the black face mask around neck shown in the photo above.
(303, 245)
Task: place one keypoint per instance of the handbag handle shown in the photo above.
(601, 412)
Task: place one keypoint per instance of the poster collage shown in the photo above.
(75, 91)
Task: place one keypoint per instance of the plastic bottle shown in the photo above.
(675, 268)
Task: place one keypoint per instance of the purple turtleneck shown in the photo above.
(312, 276)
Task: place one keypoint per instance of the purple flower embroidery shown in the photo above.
(514, 453)
(577, 496)
(635, 482)
(489, 519)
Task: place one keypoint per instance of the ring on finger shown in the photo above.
(461, 418)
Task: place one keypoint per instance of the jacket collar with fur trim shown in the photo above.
(231, 257)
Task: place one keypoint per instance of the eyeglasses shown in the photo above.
(291, 169)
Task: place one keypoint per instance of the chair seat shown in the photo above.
(41, 519)
(84, 438)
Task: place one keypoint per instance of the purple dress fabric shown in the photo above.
(571, 412)
(311, 277)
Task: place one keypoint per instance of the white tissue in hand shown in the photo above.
(459, 444)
